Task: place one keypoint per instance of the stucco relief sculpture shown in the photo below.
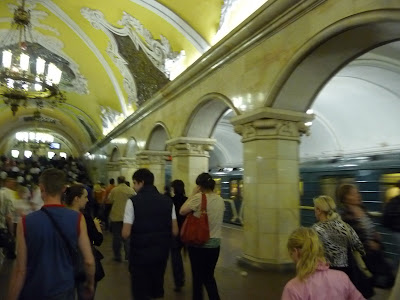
(158, 52)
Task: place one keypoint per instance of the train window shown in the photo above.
(217, 188)
(236, 189)
(329, 185)
(388, 185)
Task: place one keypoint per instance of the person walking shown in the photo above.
(314, 280)
(44, 268)
(203, 259)
(118, 198)
(76, 198)
(178, 189)
(149, 222)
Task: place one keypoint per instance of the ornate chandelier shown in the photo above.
(24, 77)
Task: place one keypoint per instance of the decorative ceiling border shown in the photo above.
(159, 52)
(225, 11)
(57, 11)
(177, 22)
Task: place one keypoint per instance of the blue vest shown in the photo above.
(49, 268)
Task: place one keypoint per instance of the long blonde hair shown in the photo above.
(310, 249)
(327, 205)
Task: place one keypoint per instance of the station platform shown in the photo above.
(234, 282)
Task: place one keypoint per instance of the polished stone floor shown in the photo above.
(234, 282)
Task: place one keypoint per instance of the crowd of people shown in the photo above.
(342, 254)
(57, 219)
(57, 236)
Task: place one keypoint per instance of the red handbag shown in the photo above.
(195, 231)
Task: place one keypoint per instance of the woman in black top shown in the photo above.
(176, 256)
(76, 199)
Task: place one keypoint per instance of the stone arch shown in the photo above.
(300, 82)
(206, 115)
(211, 119)
(115, 155)
(131, 148)
(158, 137)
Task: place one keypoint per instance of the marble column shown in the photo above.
(189, 159)
(271, 202)
(155, 162)
(128, 167)
(113, 170)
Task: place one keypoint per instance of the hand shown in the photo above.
(88, 291)
(374, 245)
(97, 223)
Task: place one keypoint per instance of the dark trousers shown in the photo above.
(203, 261)
(116, 228)
(177, 263)
(147, 281)
(107, 210)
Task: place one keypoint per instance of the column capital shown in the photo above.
(190, 146)
(151, 157)
(268, 123)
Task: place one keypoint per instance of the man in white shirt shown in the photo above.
(150, 222)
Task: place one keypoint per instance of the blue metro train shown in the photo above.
(375, 176)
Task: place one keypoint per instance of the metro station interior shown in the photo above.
(280, 100)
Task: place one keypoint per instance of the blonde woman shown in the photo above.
(314, 280)
(335, 235)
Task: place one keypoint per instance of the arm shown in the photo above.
(126, 231)
(187, 206)
(129, 216)
(175, 229)
(355, 241)
(87, 254)
(19, 271)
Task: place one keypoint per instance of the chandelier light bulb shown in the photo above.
(7, 57)
(24, 62)
(40, 65)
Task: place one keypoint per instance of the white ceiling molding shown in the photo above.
(54, 45)
(57, 11)
(380, 86)
(225, 11)
(36, 16)
(168, 15)
(159, 52)
(96, 18)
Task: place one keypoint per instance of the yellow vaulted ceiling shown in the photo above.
(87, 47)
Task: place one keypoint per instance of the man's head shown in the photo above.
(121, 179)
(112, 181)
(141, 178)
(52, 182)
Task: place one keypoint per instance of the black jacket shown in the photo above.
(152, 227)
(391, 214)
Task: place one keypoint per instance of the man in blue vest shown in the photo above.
(150, 222)
(44, 267)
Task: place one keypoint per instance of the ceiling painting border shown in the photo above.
(177, 22)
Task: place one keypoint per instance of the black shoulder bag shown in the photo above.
(76, 259)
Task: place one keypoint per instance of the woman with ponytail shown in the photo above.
(335, 235)
(76, 198)
(314, 279)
